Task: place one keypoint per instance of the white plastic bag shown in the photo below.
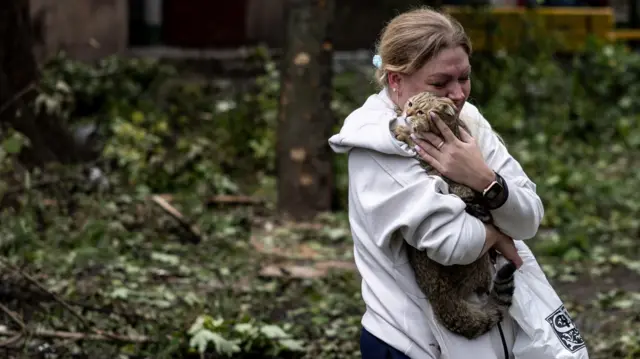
(545, 329)
(488, 346)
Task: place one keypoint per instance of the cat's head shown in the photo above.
(417, 110)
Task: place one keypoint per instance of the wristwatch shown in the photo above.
(496, 193)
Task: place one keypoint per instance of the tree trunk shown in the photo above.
(19, 76)
(305, 119)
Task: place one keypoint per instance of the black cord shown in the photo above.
(504, 342)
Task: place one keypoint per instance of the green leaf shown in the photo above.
(292, 345)
(203, 337)
(165, 258)
(120, 293)
(273, 332)
(13, 144)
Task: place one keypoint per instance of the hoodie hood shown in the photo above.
(369, 127)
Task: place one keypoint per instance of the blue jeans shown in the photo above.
(371, 347)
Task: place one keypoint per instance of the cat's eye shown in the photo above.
(420, 112)
(410, 104)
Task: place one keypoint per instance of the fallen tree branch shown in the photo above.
(229, 199)
(46, 290)
(13, 316)
(62, 302)
(17, 320)
(173, 212)
(17, 96)
(310, 271)
(10, 341)
(78, 336)
(224, 199)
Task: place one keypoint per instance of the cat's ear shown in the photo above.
(450, 110)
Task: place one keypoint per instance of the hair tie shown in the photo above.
(377, 61)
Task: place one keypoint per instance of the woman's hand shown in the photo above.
(457, 159)
(508, 249)
(502, 243)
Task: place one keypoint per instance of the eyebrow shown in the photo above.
(443, 74)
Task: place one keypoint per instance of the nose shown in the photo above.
(455, 92)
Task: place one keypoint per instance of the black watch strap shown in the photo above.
(498, 200)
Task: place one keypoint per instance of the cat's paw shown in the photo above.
(403, 133)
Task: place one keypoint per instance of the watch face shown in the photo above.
(493, 192)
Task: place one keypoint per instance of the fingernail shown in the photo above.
(432, 115)
(413, 137)
(417, 148)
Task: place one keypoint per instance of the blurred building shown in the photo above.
(86, 29)
(90, 29)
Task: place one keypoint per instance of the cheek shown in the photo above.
(466, 88)
(439, 91)
(414, 89)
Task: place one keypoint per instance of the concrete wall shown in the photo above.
(85, 29)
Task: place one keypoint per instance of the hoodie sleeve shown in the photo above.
(392, 193)
(520, 216)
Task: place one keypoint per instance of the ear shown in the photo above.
(395, 80)
(450, 110)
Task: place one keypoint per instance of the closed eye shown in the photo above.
(443, 84)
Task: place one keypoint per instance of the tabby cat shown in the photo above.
(448, 288)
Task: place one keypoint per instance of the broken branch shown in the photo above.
(225, 199)
(17, 96)
(78, 336)
(173, 212)
(13, 316)
(44, 289)
(228, 199)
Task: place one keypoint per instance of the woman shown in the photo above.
(394, 203)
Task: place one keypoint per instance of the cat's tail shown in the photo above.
(475, 319)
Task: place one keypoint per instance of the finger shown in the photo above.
(434, 139)
(508, 249)
(464, 135)
(517, 260)
(512, 255)
(428, 158)
(444, 130)
(426, 147)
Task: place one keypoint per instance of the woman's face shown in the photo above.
(445, 75)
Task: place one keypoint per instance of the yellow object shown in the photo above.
(498, 28)
(625, 35)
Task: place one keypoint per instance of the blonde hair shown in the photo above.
(413, 38)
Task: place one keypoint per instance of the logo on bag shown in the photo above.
(566, 331)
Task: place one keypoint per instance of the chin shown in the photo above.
(459, 106)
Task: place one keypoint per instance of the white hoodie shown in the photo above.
(391, 198)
